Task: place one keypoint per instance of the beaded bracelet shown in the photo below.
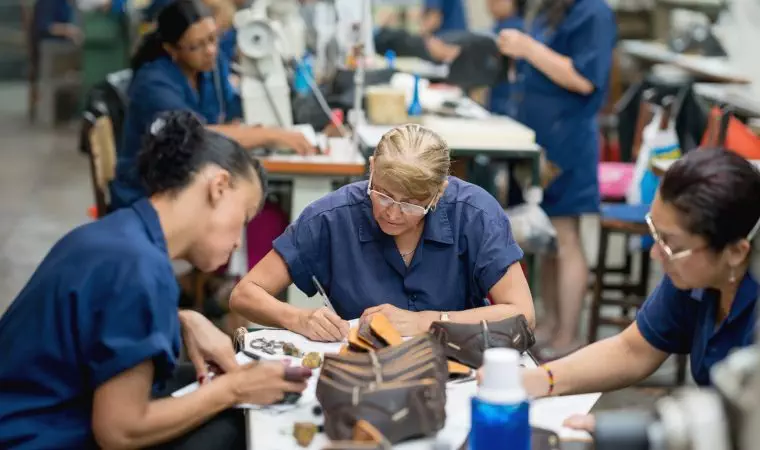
(551, 379)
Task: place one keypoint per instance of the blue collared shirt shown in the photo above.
(466, 247)
(157, 87)
(102, 301)
(684, 321)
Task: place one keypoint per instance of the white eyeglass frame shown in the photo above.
(408, 209)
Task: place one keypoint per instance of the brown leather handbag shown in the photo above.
(465, 343)
(400, 390)
(418, 358)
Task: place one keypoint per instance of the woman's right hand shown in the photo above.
(321, 325)
(293, 140)
(262, 383)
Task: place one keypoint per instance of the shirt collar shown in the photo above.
(437, 225)
(149, 218)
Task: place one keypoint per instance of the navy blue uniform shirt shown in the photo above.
(157, 87)
(684, 321)
(453, 17)
(465, 248)
(102, 301)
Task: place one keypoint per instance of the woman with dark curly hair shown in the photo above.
(97, 329)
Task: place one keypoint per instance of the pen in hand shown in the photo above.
(322, 293)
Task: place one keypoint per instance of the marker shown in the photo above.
(321, 290)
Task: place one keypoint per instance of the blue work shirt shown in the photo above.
(565, 121)
(453, 17)
(160, 86)
(49, 12)
(498, 100)
(465, 248)
(228, 44)
(684, 321)
(102, 301)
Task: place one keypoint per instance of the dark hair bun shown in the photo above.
(166, 160)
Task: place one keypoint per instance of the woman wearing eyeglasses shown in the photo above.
(178, 67)
(411, 243)
(704, 221)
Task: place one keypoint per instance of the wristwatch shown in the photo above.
(444, 317)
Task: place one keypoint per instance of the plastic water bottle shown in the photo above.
(390, 58)
(415, 108)
(500, 410)
(305, 69)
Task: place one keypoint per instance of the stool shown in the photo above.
(627, 220)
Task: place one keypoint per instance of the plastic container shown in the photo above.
(415, 108)
(500, 410)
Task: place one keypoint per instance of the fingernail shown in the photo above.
(201, 379)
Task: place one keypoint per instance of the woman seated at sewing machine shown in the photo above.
(704, 221)
(97, 326)
(178, 67)
(412, 243)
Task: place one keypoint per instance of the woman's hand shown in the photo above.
(584, 422)
(262, 383)
(408, 323)
(206, 344)
(321, 325)
(292, 140)
(515, 43)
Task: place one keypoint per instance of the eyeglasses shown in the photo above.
(669, 253)
(408, 209)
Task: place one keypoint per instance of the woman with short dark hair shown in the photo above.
(704, 221)
(97, 330)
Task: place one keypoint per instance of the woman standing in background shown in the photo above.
(564, 58)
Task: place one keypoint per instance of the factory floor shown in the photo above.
(46, 191)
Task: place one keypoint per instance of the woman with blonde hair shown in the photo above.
(412, 243)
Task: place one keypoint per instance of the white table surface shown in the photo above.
(712, 67)
(496, 134)
(272, 427)
(744, 97)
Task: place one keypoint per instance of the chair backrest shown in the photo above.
(102, 161)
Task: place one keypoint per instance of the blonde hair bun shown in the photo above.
(415, 159)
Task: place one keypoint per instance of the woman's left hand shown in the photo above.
(515, 43)
(408, 323)
(207, 344)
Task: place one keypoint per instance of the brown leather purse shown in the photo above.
(379, 333)
(400, 390)
(465, 343)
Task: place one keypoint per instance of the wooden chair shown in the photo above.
(102, 154)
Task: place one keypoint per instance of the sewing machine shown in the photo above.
(271, 34)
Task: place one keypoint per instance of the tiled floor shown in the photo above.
(45, 190)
